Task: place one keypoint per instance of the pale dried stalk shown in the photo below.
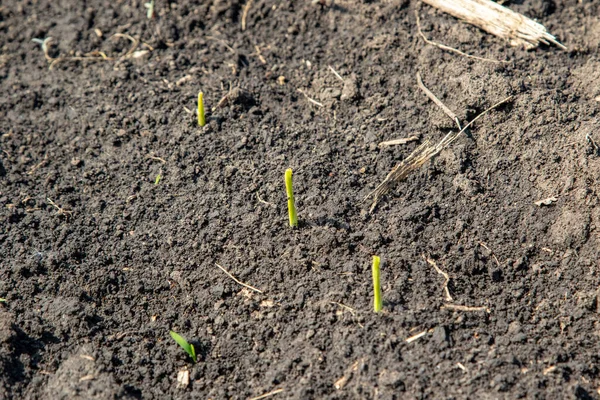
(498, 20)
(420, 156)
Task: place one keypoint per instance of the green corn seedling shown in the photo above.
(378, 302)
(188, 347)
(291, 200)
(201, 117)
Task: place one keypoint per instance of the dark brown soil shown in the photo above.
(98, 262)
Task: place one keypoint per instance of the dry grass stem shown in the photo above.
(490, 250)
(264, 396)
(264, 202)
(91, 56)
(309, 99)
(395, 142)
(60, 210)
(340, 383)
(416, 337)
(39, 165)
(238, 281)
(245, 14)
(222, 42)
(335, 73)
(437, 101)
(153, 157)
(345, 307)
(498, 20)
(419, 157)
(461, 366)
(448, 48)
(457, 307)
(445, 275)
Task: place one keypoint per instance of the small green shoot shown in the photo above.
(188, 347)
(2, 300)
(157, 180)
(201, 117)
(291, 200)
(150, 7)
(378, 301)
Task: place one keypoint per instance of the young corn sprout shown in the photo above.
(185, 345)
(291, 201)
(377, 300)
(201, 118)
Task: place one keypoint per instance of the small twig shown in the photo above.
(461, 366)
(309, 99)
(437, 101)
(490, 250)
(263, 396)
(398, 141)
(245, 14)
(335, 73)
(264, 202)
(134, 43)
(415, 337)
(259, 55)
(237, 281)
(222, 42)
(340, 383)
(91, 56)
(224, 100)
(448, 48)
(458, 307)
(41, 164)
(152, 157)
(445, 275)
(60, 210)
(350, 309)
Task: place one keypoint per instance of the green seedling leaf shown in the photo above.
(157, 180)
(2, 300)
(188, 347)
(201, 116)
(377, 300)
(291, 200)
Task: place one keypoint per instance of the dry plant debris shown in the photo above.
(238, 281)
(395, 142)
(546, 202)
(444, 274)
(448, 48)
(416, 337)
(348, 374)
(264, 396)
(498, 20)
(420, 156)
(458, 307)
(91, 56)
(437, 101)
